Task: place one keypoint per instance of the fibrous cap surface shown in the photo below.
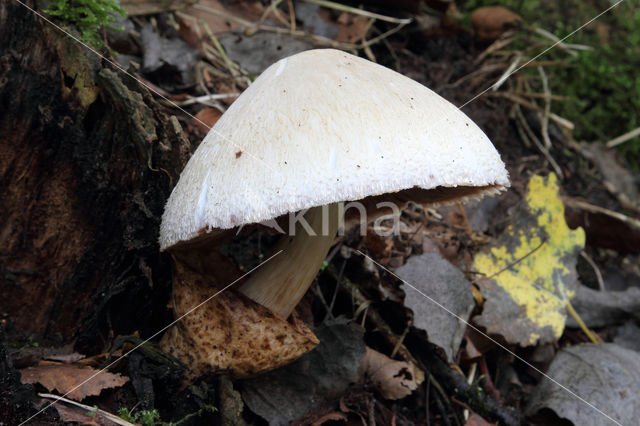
(319, 127)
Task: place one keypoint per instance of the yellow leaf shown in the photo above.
(530, 270)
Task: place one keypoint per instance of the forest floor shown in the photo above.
(544, 279)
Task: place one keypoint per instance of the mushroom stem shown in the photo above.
(280, 284)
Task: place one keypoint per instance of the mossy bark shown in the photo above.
(87, 161)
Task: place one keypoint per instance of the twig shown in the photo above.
(356, 11)
(539, 144)
(596, 270)
(204, 99)
(507, 73)
(552, 37)
(623, 138)
(465, 219)
(590, 334)
(583, 205)
(224, 15)
(511, 96)
(497, 45)
(228, 62)
(111, 417)
(292, 15)
(547, 108)
(448, 379)
(541, 95)
(382, 36)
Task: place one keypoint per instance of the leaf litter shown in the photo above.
(528, 274)
(331, 371)
(72, 379)
(605, 375)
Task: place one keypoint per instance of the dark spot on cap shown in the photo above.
(238, 154)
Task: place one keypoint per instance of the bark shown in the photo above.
(87, 160)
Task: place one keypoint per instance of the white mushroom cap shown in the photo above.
(324, 126)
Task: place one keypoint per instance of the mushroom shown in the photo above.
(314, 130)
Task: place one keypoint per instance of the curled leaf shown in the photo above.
(393, 379)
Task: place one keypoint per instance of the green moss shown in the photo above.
(87, 16)
(601, 84)
(143, 417)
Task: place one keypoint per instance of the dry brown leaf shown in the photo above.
(476, 420)
(351, 28)
(208, 116)
(73, 415)
(65, 377)
(249, 11)
(393, 379)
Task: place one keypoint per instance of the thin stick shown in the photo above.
(547, 108)
(95, 410)
(206, 98)
(623, 138)
(559, 120)
(590, 334)
(596, 270)
(224, 15)
(356, 11)
(507, 73)
(465, 219)
(292, 15)
(541, 147)
(583, 205)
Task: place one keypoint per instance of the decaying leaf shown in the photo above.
(311, 382)
(437, 278)
(605, 375)
(602, 308)
(476, 420)
(65, 377)
(255, 53)
(393, 379)
(529, 273)
(206, 118)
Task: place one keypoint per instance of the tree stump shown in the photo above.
(87, 161)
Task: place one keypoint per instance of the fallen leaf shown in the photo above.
(148, 7)
(316, 20)
(490, 22)
(313, 381)
(479, 213)
(255, 53)
(351, 28)
(205, 11)
(529, 272)
(393, 379)
(435, 277)
(602, 308)
(77, 415)
(604, 230)
(606, 375)
(628, 336)
(206, 118)
(65, 377)
(334, 416)
(160, 51)
(618, 180)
